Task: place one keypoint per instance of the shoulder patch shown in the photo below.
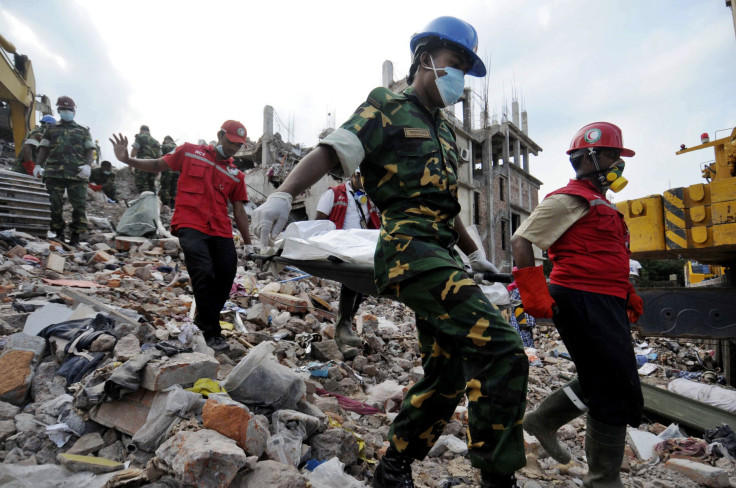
(380, 95)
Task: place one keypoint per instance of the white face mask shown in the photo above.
(451, 85)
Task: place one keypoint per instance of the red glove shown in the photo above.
(534, 292)
(28, 166)
(94, 187)
(634, 306)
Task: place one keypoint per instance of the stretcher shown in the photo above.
(358, 277)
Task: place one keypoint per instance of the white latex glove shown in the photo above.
(38, 171)
(84, 172)
(249, 250)
(480, 264)
(270, 218)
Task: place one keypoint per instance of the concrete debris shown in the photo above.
(292, 397)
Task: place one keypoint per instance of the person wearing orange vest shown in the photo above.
(590, 301)
(348, 207)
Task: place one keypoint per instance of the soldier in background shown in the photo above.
(98, 153)
(24, 162)
(66, 151)
(145, 147)
(169, 178)
(103, 178)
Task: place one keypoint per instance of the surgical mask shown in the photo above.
(451, 85)
(614, 180)
(66, 115)
(219, 150)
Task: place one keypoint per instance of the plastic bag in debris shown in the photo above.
(49, 476)
(286, 446)
(167, 406)
(331, 474)
(671, 432)
(709, 394)
(259, 380)
(139, 220)
(290, 419)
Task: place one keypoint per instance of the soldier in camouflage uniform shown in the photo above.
(407, 155)
(104, 178)
(24, 162)
(169, 178)
(145, 147)
(66, 153)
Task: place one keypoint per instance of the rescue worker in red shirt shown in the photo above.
(348, 207)
(208, 181)
(590, 300)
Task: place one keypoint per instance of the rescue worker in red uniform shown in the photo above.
(208, 181)
(348, 207)
(590, 301)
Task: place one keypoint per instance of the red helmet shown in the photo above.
(65, 102)
(599, 134)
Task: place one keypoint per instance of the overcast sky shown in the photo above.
(663, 70)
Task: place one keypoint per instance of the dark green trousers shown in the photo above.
(467, 349)
(145, 181)
(77, 193)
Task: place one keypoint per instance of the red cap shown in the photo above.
(235, 131)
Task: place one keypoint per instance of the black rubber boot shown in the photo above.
(393, 471)
(345, 337)
(495, 480)
(604, 448)
(554, 412)
(74, 239)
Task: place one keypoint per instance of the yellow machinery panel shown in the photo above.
(697, 195)
(724, 212)
(723, 190)
(646, 223)
(724, 235)
(698, 216)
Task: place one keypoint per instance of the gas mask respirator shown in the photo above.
(610, 178)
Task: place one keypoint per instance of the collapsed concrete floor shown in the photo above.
(319, 406)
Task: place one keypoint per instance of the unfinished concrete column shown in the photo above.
(524, 122)
(488, 180)
(467, 109)
(526, 159)
(387, 74)
(266, 157)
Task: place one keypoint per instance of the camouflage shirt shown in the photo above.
(148, 147)
(98, 177)
(408, 159)
(68, 143)
(30, 141)
(168, 147)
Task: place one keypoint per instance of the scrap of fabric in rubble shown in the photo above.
(350, 404)
(682, 447)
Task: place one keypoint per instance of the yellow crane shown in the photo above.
(18, 89)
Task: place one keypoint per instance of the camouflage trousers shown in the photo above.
(77, 192)
(145, 181)
(167, 193)
(468, 349)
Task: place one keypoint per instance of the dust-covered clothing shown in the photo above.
(147, 148)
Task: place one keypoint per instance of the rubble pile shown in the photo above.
(103, 372)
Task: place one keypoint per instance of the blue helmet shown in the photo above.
(456, 31)
(47, 119)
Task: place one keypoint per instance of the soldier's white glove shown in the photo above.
(38, 171)
(479, 264)
(84, 172)
(270, 218)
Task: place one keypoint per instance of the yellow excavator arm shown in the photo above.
(18, 89)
